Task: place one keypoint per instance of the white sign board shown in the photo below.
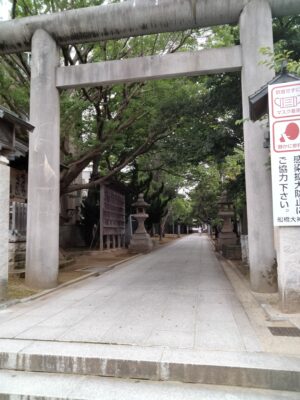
(284, 115)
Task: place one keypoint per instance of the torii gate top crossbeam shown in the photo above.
(129, 18)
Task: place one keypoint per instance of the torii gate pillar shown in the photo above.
(42, 251)
(255, 33)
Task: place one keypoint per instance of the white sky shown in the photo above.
(4, 10)
(5, 7)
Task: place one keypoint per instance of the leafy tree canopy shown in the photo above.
(154, 136)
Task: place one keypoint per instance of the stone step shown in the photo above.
(93, 253)
(17, 271)
(32, 386)
(17, 265)
(253, 370)
(66, 262)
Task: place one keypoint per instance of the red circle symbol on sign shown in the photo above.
(292, 131)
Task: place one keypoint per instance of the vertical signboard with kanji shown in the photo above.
(284, 109)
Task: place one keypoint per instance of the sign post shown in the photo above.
(284, 112)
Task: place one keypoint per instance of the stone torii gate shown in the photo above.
(44, 34)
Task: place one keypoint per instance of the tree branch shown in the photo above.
(127, 98)
(125, 125)
(143, 148)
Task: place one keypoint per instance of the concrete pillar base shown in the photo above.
(288, 256)
(290, 301)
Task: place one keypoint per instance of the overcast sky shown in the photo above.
(4, 9)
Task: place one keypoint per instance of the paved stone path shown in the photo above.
(177, 296)
(171, 315)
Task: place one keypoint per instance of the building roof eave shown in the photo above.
(14, 119)
(258, 101)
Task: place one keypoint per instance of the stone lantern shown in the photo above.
(10, 126)
(226, 236)
(140, 242)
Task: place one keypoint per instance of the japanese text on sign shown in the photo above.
(284, 106)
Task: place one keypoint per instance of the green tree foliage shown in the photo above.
(286, 48)
(181, 210)
(156, 136)
(233, 171)
(157, 186)
(204, 196)
(109, 126)
(287, 35)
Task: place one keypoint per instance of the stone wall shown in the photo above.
(16, 254)
(231, 251)
(69, 237)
